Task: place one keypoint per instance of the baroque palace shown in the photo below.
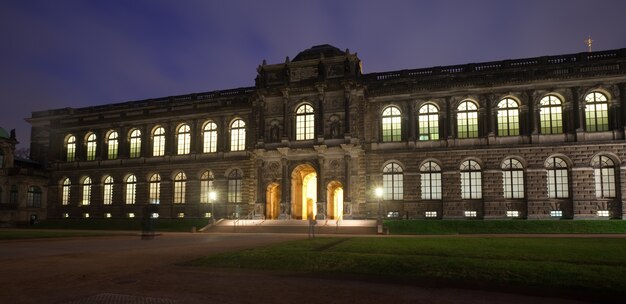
(529, 138)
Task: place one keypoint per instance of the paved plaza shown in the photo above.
(126, 269)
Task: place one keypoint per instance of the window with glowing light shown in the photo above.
(180, 185)
(392, 124)
(86, 199)
(596, 112)
(131, 189)
(91, 146)
(184, 139)
(428, 122)
(206, 186)
(70, 147)
(135, 143)
(158, 142)
(154, 189)
(238, 135)
(393, 182)
(108, 191)
(471, 180)
(113, 143)
(305, 122)
(604, 175)
(430, 177)
(513, 178)
(508, 117)
(235, 179)
(210, 137)
(558, 178)
(65, 192)
(551, 115)
(467, 120)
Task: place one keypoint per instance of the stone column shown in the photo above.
(322, 208)
(261, 111)
(319, 117)
(285, 208)
(412, 124)
(286, 116)
(346, 109)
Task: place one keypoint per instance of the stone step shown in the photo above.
(294, 226)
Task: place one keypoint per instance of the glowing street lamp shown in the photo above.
(212, 196)
(379, 223)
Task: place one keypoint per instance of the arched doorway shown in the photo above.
(335, 200)
(272, 201)
(304, 192)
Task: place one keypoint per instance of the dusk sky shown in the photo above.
(62, 53)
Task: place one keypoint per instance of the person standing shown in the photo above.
(312, 223)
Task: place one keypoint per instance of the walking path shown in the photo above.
(126, 269)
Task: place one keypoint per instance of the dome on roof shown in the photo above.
(316, 52)
(4, 133)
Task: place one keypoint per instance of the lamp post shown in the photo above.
(379, 222)
(212, 202)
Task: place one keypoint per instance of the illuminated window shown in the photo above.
(430, 214)
(207, 214)
(467, 120)
(34, 197)
(13, 195)
(180, 214)
(238, 135)
(471, 180)
(86, 191)
(558, 178)
(508, 117)
(470, 213)
(235, 178)
(65, 192)
(91, 146)
(65, 215)
(206, 186)
(86, 215)
(210, 138)
(603, 213)
(428, 122)
(596, 112)
(107, 215)
(180, 182)
(556, 213)
(551, 115)
(130, 215)
(184, 139)
(512, 213)
(154, 215)
(513, 178)
(108, 191)
(158, 142)
(604, 174)
(112, 142)
(305, 122)
(393, 182)
(430, 176)
(70, 146)
(155, 189)
(392, 124)
(135, 143)
(131, 189)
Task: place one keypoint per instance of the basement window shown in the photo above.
(131, 215)
(603, 213)
(512, 213)
(107, 215)
(470, 213)
(556, 213)
(430, 213)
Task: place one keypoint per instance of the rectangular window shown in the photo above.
(430, 213)
(108, 194)
(65, 215)
(210, 141)
(135, 147)
(154, 215)
(85, 215)
(107, 215)
(155, 191)
(130, 215)
(470, 213)
(179, 192)
(556, 213)
(184, 140)
(603, 213)
(234, 191)
(180, 215)
(431, 186)
(130, 193)
(512, 213)
(206, 187)
(393, 187)
(207, 214)
(158, 149)
(112, 149)
(471, 185)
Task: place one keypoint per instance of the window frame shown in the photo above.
(513, 179)
(305, 122)
(235, 183)
(238, 135)
(551, 112)
(33, 199)
(134, 143)
(107, 190)
(209, 136)
(393, 182)
(154, 189)
(183, 139)
(557, 169)
(430, 181)
(593, 123)
(130, 195)
(158, 141)
(471, 180)
(113, 145)
(391, 124)
(86, 193)
(180, 188)
(206, 186)
(467, 123)
(92, 146)
(508, 117)
(604, 173)
(428, 120)
(70, 148)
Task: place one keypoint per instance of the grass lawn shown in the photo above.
(595, 265)
(16, 234)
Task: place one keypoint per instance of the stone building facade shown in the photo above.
(529, 138)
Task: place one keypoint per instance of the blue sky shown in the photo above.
(76, 53)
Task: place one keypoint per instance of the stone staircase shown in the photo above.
(292, 226)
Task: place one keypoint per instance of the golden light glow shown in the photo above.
(379, 192)
(309, 195)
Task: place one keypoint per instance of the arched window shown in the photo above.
(13, 195)
(131, 189)
(65, 192)
(393, 182)
(34, 197)
(430, 177)
(596, 112)
(112, 142)
(91, 146)
(235, 179)
(180, 183)
(210, 138)
(558, 178)
(107, 198)
(392, 124)
(206, 186)
(513, 178)
(428, 122)
(86, 191)
(467, 120)
(305, 122)
(155, 189)
(551, 115)
(238, 135)
(158, 142)
(508, 117)
(70, 147)
(471, 180)
(135, 143)
(184, 139)
(604, 174)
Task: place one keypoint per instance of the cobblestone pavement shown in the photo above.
(126, 269)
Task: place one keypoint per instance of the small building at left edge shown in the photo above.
(23, 186)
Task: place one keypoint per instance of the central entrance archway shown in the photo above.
(272, 203)
(304, 192)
